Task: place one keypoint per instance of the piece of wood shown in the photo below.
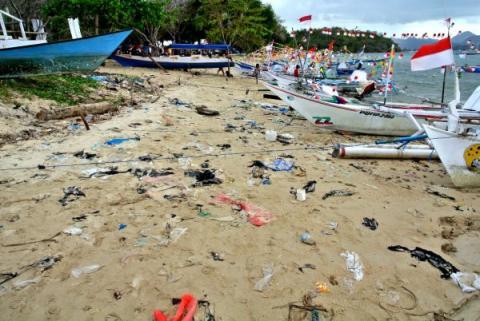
(77, 111)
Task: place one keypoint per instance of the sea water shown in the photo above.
(415, 85)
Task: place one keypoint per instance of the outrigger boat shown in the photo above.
(349, 115)
(193, 61)
(76, 55)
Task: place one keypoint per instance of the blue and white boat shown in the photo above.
(192, 61)
(68, 56)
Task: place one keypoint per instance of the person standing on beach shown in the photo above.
(256, 72)
(296, 72)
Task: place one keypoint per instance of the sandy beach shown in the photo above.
(154, 237)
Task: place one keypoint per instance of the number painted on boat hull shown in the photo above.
(323, 121)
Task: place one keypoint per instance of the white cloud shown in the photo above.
(417, 16)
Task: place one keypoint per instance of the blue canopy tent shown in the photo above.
(187, 46)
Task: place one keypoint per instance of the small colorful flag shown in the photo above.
(305, 19)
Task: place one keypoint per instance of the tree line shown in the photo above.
(245, 24)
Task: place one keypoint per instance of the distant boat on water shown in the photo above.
(68, 56)
(192, 61)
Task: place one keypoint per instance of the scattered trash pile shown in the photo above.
(468, 282)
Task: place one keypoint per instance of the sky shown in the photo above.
(391, 16)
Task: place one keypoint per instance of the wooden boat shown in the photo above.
(460, 155)
(76, 55)
(193, 61)
(173, 62)
(338, 113)
(471, 69)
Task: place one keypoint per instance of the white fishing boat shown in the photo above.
(459, 146)
(459, 153)
(341, 114)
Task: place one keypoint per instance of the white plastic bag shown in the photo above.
(264, 282)
(77, 272)
(354, 264)
(468, 282)
(73, 230)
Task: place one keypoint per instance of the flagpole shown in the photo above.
(445, 67)
(388, 75)
(306, 53)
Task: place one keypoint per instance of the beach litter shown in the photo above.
(101, 172)
(84, 155)
(439, 194)
(77, 272)
(262, 284)
(337, 193)
(310, 186)
(186, 310)
(371, 223)
(20, 284)
(468, 282)
(71, 194)
(354, 264)
(434, 259)
(301, 194)
(278, 165)
(73, 230)
(306, 238)
(256, 215)
(118, 141)
(217, 256)
(307, 266)
(270, 135)
(204, 178)
(203, 110)
(285, 138)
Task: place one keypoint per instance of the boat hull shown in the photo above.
(451, 149)
(76, 55)
(359, 119)
(173, 62)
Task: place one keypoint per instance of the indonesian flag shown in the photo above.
(432, 56)
(305, 19)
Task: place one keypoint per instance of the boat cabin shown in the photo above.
(13, 34)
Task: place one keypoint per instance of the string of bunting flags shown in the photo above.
(372, 34)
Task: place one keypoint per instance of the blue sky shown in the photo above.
(391, 16)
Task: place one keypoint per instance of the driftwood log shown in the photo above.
(77, 111)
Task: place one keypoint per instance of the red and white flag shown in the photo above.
(305, 19)
(432, 56)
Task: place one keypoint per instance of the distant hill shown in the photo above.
(459, 41)
(412, 43)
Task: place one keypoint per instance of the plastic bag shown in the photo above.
(24, 283)
(256, 215)
(73, 230)
(281, 164)
(354, 264)
(264, 282)
(468, 282)
(77, 272)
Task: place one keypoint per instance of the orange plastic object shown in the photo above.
(186, 310)
(256, 215)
